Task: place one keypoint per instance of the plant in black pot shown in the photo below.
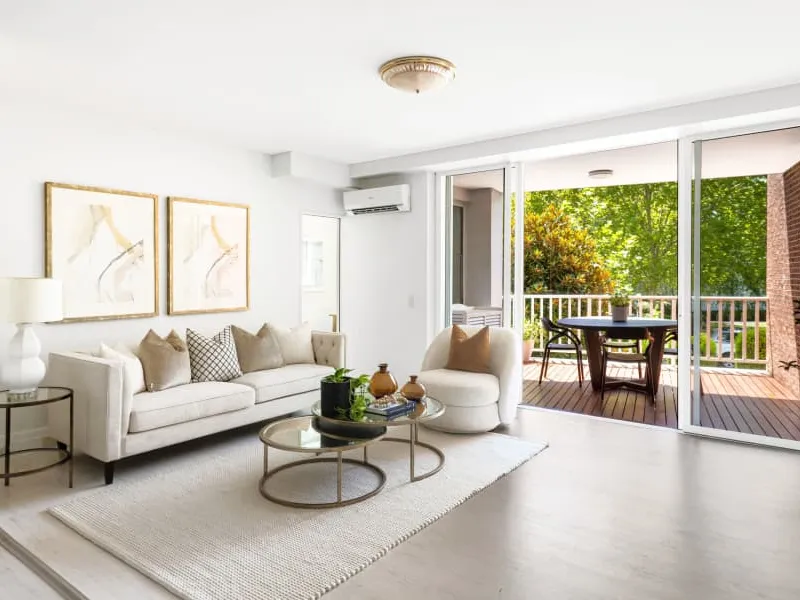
(343, 402)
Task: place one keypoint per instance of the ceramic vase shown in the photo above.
(413, 390)
(619, 314)
(382, 382)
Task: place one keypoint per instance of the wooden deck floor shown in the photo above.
(734, 401)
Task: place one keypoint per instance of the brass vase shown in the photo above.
(383, 382)
(413, 390)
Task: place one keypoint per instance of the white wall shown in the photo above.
(388, 282)
(38, 145)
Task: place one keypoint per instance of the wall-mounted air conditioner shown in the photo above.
(388, 199)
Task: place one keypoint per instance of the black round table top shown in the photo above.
(607, 323)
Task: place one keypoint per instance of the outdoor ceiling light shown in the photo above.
(417, 73)
(601, 173)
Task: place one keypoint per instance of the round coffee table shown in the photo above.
(427, 409)
(299, 435)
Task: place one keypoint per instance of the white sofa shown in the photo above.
(109, 427)
(475, 402)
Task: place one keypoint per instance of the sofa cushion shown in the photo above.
(461, 388)
(165, 361)
(187, 403)
(295, 344)
(470, 352)
(257, 352)
(213, 358)
(284, 381)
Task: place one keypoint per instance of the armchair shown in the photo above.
(475, 402)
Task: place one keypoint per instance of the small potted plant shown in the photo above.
(620, 302)
(531, 331)
(344, 399)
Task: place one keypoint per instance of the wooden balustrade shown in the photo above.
(733, 328)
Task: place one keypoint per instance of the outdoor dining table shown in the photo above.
(593, 326)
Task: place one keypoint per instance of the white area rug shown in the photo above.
(202, 530)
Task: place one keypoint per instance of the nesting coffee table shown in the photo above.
(298, 434)
(426, 410)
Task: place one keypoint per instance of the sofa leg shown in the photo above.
(109, 472)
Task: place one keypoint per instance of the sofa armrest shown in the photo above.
(506, 365)
(97, 385)
(329, 348)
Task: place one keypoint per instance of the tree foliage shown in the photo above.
(560, 256)
(634, 229)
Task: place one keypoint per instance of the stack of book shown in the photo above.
(391, 407)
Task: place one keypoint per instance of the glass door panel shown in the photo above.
(746, 288)
(319, 276)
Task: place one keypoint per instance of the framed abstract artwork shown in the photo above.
(209, 256)
(103, 245)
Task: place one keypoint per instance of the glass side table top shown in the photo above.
(298, 434)
(41, 395)
(426, 409)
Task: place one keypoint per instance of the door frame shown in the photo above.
(689, 166)
(338, 219)
(443, 224)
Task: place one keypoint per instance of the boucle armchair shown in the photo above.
(475, 402)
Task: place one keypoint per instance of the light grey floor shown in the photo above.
(610, 510)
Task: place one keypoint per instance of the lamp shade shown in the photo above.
(31, 300)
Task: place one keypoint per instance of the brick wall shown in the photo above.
(783, 272)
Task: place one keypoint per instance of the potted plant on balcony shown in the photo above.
(620, 302)
(531, 330)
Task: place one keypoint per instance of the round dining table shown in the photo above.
(593, 326)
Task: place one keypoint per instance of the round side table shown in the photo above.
(38, 397)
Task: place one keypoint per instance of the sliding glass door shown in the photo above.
(476, 219)
(744, 236)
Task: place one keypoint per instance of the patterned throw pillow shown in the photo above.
(213, 359)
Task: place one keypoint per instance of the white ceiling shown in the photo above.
(302, 74)
(756, 154)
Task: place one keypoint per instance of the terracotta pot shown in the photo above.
(413, 390)
(383, 382)
(527, 350)
(619, 314)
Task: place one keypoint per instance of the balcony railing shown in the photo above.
(733, 329)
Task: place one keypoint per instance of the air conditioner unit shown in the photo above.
(388, 199)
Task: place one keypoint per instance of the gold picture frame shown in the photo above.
(103, 244)
(206, 273)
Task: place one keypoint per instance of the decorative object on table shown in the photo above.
(469, 352)
(620, 302)
(382, 382)
(413, 389)
(213, 358)
(531, 331)
(391, 406)
(26, 301)
(103, 245)
(344, 398)
(209, 256)
(165, 361)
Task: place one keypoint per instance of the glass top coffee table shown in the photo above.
(427, 409)
(300, 435)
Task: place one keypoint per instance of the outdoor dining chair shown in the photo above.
(573, 344)
(611, 353)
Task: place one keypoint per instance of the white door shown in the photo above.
(320, 271)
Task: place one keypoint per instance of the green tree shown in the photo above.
(560, 256)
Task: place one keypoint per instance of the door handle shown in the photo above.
(334, 322)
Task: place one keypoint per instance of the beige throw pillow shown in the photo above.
(469, 353)
(257, 352)
(295, 344)
(165, 361)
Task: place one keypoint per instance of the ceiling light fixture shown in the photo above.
(417, 73)
(601, 173)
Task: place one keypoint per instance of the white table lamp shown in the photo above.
(25, 301)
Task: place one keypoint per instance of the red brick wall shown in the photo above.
(783, 272)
